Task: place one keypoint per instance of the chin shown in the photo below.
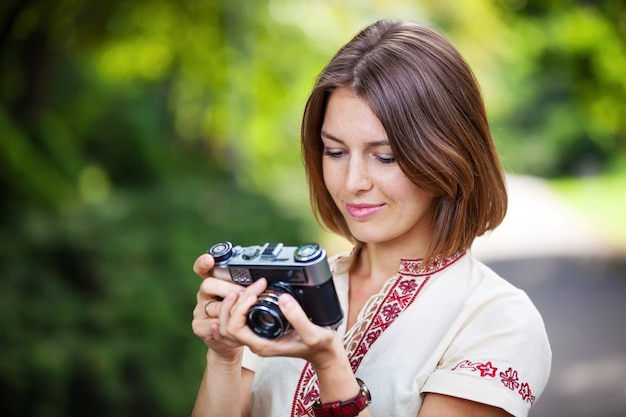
(370, 236)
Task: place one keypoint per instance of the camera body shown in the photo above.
(301, 271)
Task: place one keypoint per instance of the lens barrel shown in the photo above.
(265, 318)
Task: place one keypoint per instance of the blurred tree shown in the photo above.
(566, 86)
(114, 177)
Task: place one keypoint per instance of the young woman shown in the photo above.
(400, 160)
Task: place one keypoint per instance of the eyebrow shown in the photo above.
(327, 135)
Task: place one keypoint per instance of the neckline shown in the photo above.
(407, 266)
(416, 267)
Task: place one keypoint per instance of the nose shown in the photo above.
(357, 178)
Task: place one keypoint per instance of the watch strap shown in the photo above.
(348, 408)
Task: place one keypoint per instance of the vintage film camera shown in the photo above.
(301, 271)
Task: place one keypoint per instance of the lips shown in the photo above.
(363, 211)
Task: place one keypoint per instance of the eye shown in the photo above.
(386, 159)
(333, 153)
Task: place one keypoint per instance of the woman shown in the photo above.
(400, 160)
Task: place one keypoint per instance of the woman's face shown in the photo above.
(380, 204)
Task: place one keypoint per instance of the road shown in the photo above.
(583, 303)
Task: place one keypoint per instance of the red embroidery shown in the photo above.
(526, 394)
(509, 378)
(396, 301)
(487, 369)
(308, 392)
(400, 296)
(466, 364)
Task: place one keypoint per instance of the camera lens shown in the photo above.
(265, 318)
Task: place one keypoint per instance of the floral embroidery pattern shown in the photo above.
(508, 378)
(487, 369)
(401, 295)
(526, 394)
(415, 267)
(308, 387)
(396, 301)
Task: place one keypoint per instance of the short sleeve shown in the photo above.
(499, 352)
(250, 360)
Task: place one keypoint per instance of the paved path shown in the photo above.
(539, 224)
(579, 285)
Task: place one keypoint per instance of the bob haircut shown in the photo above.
(429, 103)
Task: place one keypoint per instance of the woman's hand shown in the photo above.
(214, 303)
(307, 340)
(220, 321)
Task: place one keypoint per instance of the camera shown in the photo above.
(301, 271)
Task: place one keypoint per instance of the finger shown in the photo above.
(225, 310)
(235, 320)
(257, 287)
(202, 328)
(218, 337)
(213, 288)
(212, 308)
(308, 331)
(247, 299)
(203, 265)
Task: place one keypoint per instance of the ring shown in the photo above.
(206, 307)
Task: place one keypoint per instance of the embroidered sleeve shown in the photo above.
(499, 355)
(250, 360)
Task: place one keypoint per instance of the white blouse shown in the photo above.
(455, 328)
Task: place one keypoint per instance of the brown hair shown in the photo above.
(429, 102)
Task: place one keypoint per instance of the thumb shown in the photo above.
(202, 266)
(293, 312)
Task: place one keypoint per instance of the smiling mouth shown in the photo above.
(363, 211)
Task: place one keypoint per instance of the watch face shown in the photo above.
(365, 390)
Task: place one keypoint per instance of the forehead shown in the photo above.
(350, 118)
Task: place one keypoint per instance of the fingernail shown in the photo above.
(285, 301)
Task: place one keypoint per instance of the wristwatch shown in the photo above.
(348, 408)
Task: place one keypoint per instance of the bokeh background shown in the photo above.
(134, 134)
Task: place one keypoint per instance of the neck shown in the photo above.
(378, 262)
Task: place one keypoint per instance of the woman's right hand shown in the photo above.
(215, 299)
(225, 387)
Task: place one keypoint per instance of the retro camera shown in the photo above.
(301, 271)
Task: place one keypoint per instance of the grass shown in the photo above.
(602, 199)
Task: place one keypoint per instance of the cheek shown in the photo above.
(330, 178)
(393, 181)
(400, 188)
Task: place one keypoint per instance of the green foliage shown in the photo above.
(135, 134)
(97, 300)
(567, 86)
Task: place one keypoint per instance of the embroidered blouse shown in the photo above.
(454, 328)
